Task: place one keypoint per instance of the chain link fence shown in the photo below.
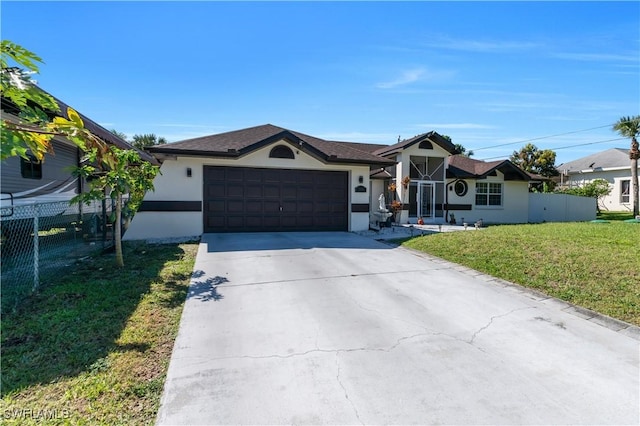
(39, 240)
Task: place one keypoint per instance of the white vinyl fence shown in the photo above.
(561, 208)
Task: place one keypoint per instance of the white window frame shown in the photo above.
(626, 194)
(489, 190)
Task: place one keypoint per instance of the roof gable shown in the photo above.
(241, 142)
(402, 145)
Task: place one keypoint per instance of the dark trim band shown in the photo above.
(171, 206)
(360, 208)
(458, 206)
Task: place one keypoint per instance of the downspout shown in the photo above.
(446, 198)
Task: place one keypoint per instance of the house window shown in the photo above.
(488, 194)
(425, 145)
(625, 190)
(281, 151)
(31, 168)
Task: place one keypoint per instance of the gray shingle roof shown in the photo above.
(611, 158)
(239, 142)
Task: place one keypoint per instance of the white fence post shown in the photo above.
(36, 247)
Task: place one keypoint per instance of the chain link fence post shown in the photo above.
(36, 247)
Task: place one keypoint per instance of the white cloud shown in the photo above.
(597, 57)
(479, 45)
(407, 77)
(414, 75)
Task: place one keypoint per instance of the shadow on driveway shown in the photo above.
(205, 289)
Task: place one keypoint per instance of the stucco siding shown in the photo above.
(150, 225)
(514, 209)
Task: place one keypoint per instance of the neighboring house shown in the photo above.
(613, 165)
(29, 181)
(268, 178)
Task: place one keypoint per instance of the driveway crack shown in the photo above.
(390, 348)
(493, 318)
(346, 394)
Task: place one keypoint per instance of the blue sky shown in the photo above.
(484, 73)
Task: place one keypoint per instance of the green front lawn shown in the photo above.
(93, 346)
(594, 265)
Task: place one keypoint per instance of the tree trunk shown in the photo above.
(118, 231)
(634, 154)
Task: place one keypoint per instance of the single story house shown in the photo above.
(612, 165)
(267, 178)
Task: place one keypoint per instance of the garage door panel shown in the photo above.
(271, 191)
(215, 221)
(289, 192)
(291, 176)
(254, 207)
(253, 191)
(212, 174)
(289, 207)
(307, 178)
(235, 221)
(235, 206)
(235, 175)
(271, 206)
(305, 221)
(305, 207)
(322, 208)
(251, 175)
(271, 175)
(235, 191)
(215, 191)
(241, 199)
(338, 208)
(268, 221)
(253, 221)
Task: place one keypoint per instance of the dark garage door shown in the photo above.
(239, 199)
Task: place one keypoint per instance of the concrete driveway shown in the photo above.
(336, 328)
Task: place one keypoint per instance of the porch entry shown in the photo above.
(426, 200)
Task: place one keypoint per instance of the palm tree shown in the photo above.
(629, 127)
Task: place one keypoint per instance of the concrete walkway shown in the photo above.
(337, 328)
